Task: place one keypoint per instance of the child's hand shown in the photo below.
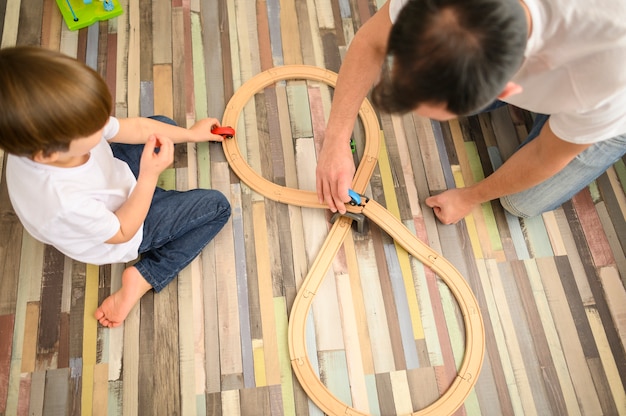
(202, 130)
(158, 154)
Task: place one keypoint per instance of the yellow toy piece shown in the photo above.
(82, 13)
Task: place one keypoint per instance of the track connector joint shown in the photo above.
(358, 220)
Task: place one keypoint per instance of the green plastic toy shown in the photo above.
(82, 13)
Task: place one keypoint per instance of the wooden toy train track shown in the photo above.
(469, 369)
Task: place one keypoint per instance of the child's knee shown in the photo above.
(219, 203)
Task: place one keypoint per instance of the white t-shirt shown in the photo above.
(574, 67)
(73, 208)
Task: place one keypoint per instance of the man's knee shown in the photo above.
(521, 209)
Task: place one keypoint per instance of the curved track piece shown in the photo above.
(467, 376)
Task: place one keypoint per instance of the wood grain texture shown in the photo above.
(385, 333)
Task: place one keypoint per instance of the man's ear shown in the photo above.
(40, 157)
(510, 89)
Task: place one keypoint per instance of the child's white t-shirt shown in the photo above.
(73, 208)
(574, 67)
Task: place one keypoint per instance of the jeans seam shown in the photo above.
(508, 206)
(190, 227)
(148, 277)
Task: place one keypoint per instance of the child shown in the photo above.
(98, 202)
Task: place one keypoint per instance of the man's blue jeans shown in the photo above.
(178, 225)
(580, 172)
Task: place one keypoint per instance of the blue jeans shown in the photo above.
(178, 225)
(580, 172)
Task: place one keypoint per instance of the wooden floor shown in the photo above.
(384, 332)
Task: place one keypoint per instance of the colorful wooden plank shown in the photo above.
(374, 308)
(575, 261)
(504, 132)
(288, 25)
(552, 337)
(219, 45)
(161, 32)
(616, 295)
(613, 239)
(518, 365)
(595, 288)
(211, 323)
(227, 293)
(401, 392)
(166, 367)
(334, 374)
(162, 75)
(426, 136)
(608, 362)
(286, 375)
(360, 325)
(6, 341)
(554, 397)
(406, 167)
(101, 389)
(325, 306)
(271, 358)
(186, 341)
(497, 360)
(598, 244)
(242, 287)
(56, 392)
(581, 377)
(353, 357)
(134, 57)
(10, 23)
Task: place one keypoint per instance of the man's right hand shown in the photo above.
(334, 173)
(359, 70)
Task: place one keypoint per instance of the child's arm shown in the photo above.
(133, 212)
(136, 130)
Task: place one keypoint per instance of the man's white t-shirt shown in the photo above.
(574, 67)
(73, 209)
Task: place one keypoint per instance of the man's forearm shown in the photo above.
(529, 166)
(360, 69)
(356, 76)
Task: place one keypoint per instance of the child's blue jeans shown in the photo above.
(178, 225)
(580, 172)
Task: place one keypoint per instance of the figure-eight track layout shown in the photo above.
(467, 374)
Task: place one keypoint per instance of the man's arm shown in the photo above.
(358, 72)
(136, 130)
(532, 164)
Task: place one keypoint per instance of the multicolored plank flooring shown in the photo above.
(384, 333)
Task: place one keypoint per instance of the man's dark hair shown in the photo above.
(460, 53)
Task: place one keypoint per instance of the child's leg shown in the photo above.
(178, 226)
(131, 153)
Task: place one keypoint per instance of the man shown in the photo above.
(562, 59)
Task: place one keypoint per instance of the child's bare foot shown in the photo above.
(116, 307)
